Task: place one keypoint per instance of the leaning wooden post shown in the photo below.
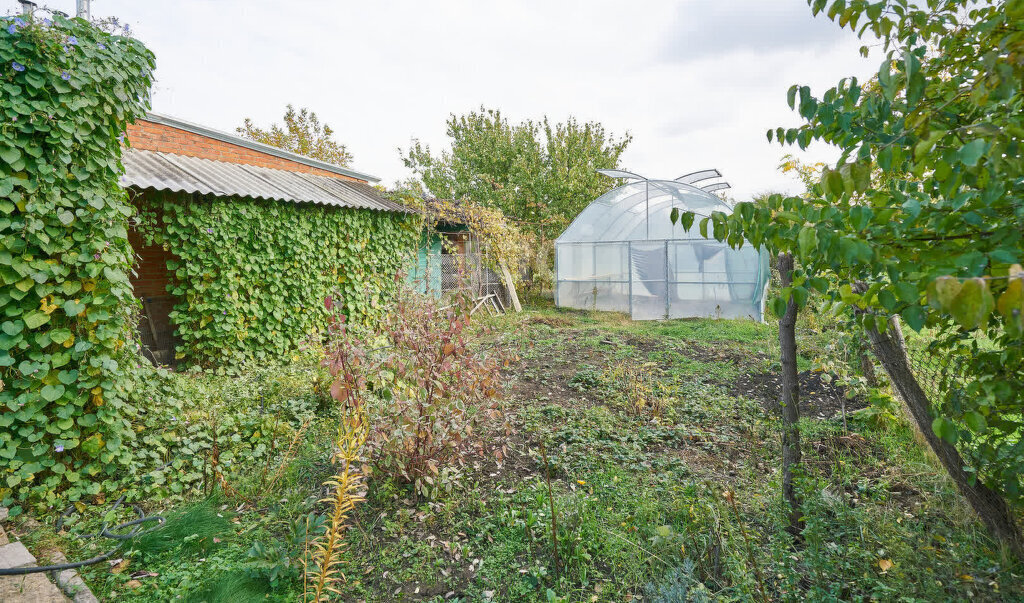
(991, 507)
(790, 398)
(510, 285)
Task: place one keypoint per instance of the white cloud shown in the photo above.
(381, 73)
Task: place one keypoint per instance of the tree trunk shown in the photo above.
(891, 351)
(790, 398)
(867, 366)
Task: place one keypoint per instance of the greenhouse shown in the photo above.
(624, 254)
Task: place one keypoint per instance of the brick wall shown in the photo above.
(149, 281)
(150, 136)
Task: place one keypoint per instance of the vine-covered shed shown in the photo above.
(237, 242)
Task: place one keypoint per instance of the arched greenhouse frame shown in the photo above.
(623, 253)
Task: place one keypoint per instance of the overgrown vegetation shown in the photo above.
(234, 308)
(919, 221)
(426, 384)
(540, 175)
(640, 500)
(68, 91)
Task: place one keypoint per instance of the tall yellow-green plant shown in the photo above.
(325, 573)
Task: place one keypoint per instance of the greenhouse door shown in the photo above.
(648, 280)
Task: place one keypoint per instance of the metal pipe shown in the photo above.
(82, 9)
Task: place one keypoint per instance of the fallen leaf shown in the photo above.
(133, 584)
(118, 565)
(885, 565)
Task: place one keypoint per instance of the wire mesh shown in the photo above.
(466, 272)
(939, 373)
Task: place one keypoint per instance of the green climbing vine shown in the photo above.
(252, 275)
(67, 90)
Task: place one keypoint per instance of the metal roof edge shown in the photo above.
(188, 126)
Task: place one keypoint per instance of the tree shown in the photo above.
(920, 219)
(539, 174)
(303, 134)
(790, 399)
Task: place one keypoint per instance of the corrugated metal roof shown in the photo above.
(172, 172)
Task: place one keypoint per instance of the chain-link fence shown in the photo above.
(941, 373)
(469, 273)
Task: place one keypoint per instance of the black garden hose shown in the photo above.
(106, 531)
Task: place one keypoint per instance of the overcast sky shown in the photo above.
(697, 82)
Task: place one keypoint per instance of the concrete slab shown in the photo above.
(14, 554)
(30, 588)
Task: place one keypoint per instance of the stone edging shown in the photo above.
(69, 582)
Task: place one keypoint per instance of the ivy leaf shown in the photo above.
(73, 308)
(60, 335)
(52, 392)
(36, 319)
(9, 154)
(93, 444)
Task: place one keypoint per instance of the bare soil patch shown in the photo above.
(819, 399)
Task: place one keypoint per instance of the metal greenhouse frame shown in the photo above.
(623, 253)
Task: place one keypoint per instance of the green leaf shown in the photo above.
(807, 240)
(976, 421)
(860, 172)
(973, 304)
(834, 182)
(36, 319)
(60, 335)
(945, 429)
(907, 292)
(12, 327)
(942, 291)
(52, 392)
(971, 152)
(674, 215)
(915, 317)
(887, 299)
(1011, 306)
(73, 308)
(9, 154)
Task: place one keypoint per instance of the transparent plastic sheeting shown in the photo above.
(622, 253)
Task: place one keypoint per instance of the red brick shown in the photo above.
(151, 136)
